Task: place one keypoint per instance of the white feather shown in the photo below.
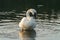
(27, 22)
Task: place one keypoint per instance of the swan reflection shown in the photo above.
(27, 35)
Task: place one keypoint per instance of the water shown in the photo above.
(44, 30)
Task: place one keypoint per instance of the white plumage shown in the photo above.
(28, 22)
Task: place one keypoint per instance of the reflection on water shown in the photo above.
(27, 35)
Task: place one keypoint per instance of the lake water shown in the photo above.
(44, 30)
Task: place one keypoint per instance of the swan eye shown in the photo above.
(30, 14)
(35, 14)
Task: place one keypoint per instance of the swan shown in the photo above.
(28, 22)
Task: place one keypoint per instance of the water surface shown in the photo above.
(44, 30)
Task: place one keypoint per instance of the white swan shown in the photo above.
(28, 22)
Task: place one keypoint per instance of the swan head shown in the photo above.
(31, 13)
